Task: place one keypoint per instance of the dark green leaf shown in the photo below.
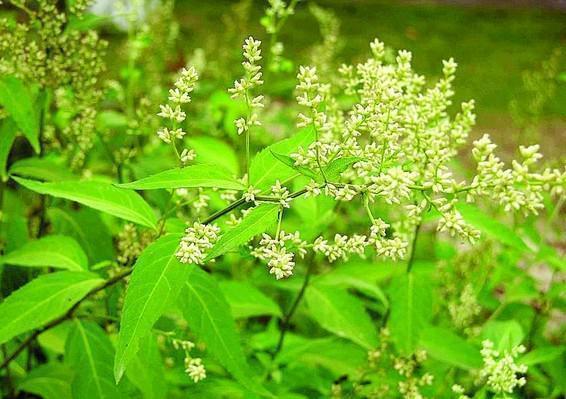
(8, 132)
(50, 381)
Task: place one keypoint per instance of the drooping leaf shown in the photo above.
(255, 222)
(50, 381)
(42, 169)
(444, 345)
(265, 169)
(188, 177)
(8, 132)
(213, 151)
(339, 165)
(146, 371)
(56, 251)
(89, 353)
(491, 227)
(247, 301)
(342, 314)
(156, 281)
(208, 314)
(104, 197)
(42, 300)
(17, 99)
(411, 309)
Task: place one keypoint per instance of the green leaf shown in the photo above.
(504, 334)
(491, 227)
(56, 251)
(290, 162)
(42, 300)
(156, 281)
(208, 314)
(541, 355)
(445, 346)
(104, 197)
(146, 371)
(89, 353)
(42, 169)
(17, 99)
(265, 169)
(342, 314)
(339, 165)
(411, 309)
(188, 177)
(213, 151)
(258, 220)
(247, 301)
(8, 132)
(50, 381)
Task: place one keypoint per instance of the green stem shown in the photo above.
(413, 247)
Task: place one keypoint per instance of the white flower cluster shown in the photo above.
(252, 79)
(178, 96)
(193, 365)
(500, 369)
(402, 141)
(196, 242)
(275, 252)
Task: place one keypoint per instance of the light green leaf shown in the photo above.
(89, 353)
(146, 371)
(17, 99)
(188, 177)
(541, 355)
(265, 169)
(504, 334)
(56, 251)
(339, 165)
(156, 281)
(290, 162)
(444, 345)
(255, 222)
(247, 301)
(8, 132)
(342, 314)
(42, 169)
(491, 227)
(208, 315)
(104, 197)
(42, 300)
(213, 151)
(50, 381)
(411, 309)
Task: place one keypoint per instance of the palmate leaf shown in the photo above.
(265, 168)
(104, 197)
(89, 353)
(208, 314)
(342, 314)
(156, 281)
(255, 222)
(194, 176)
(411, 309)
(17, 99)
(56, 251)
(42, 300)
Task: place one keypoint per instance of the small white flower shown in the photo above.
(195, 369)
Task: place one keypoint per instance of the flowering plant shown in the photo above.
(191, 251)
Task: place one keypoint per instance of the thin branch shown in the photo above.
(413, 247)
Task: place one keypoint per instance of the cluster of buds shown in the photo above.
(276, 253)
(193, 365)
(197, 241)
(501, 370)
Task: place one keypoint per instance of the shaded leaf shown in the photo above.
(50, 381)
(444, 345)
(504, 334)
(290, 162)
(8, 132)
(146, 371)
(541, 355)
(213, 151)
(339, 165)
(42, 169)
(247, 301)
